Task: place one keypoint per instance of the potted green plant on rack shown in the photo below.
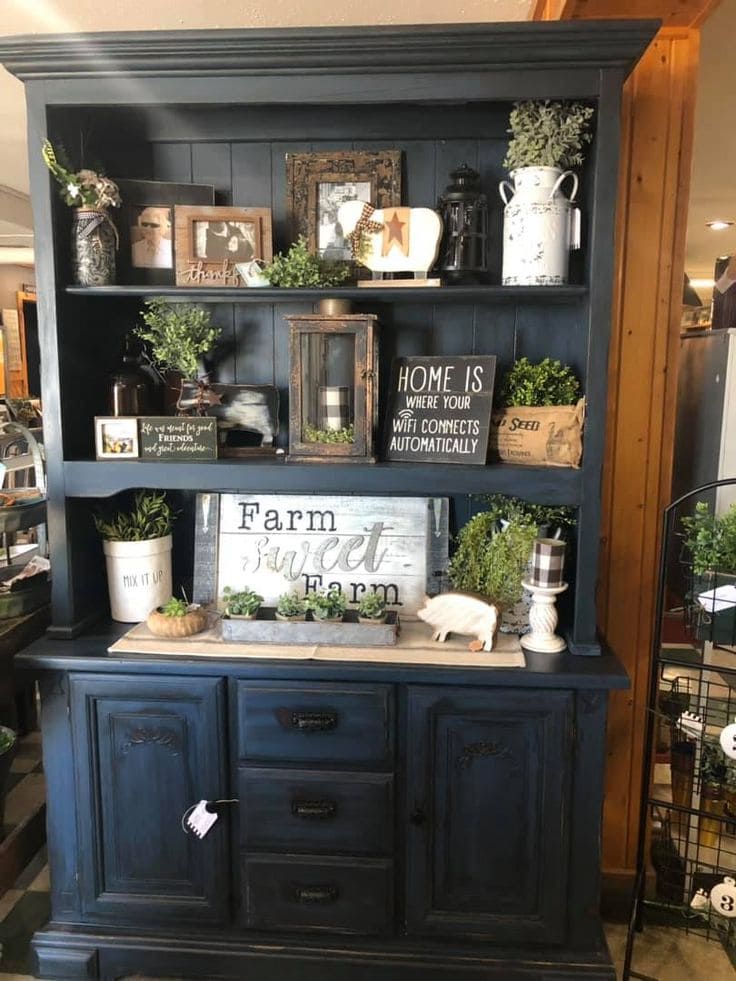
(94, 236)
(709, 551)
(713, 776)
(137, 544)
(327, 604)
(540, 224)
(176, 618)
(241, 604)
(372, 608)
(539, 415)
(178, 336)
(291, 607)
(298, 268)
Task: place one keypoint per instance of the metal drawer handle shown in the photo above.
(314, 721)
(316, 894)
(314, 808)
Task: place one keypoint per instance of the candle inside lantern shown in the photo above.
(548, 561)
(334, 407)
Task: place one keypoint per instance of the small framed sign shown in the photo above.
(440, 409)
(116, 437)
(178, 438)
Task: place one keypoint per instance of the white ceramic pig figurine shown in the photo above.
(413, 248)
(461, 613)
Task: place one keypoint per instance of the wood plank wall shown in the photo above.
(653, 199)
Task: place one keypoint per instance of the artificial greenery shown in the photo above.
(7, 740)
(81, 188)
(710, 539)
(178, 335)
(548, 382)
(290, 605)
(241, 603)
(548, 134)
(149, 517)
(300, 268)
(311, 434)
(326, 604)
(713, 766)
(508, 508)
(174, 608)
(492, 560)
(372, 606)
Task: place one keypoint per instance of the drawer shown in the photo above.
(299, 810)
(322, 894)
(315, 723)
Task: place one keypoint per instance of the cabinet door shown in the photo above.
(487, 813)
(145, 750)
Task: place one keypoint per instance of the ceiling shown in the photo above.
(711, 192)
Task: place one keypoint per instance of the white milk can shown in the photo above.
(540, 227)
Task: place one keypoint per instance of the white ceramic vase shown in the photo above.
(540, 226)
(138, 577)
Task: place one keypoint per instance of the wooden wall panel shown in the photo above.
(672, 13)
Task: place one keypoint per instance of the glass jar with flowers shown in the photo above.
(94, 236)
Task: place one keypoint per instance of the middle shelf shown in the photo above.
(548, 485)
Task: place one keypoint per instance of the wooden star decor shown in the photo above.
(396, 231)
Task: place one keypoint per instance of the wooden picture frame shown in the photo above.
(161, 196)
(312, 208)
(116, 437)
(211, 242)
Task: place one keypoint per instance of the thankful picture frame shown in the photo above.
(147, 230)
(318, 183)
(212, 242)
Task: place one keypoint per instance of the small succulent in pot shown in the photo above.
(372, 607)
(290, 606)
(176, 618)
(241, 603)
(327, 604)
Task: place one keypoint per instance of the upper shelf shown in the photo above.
(544, 485)
(407, 294)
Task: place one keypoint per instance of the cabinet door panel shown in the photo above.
(146, 750)
(487, 814)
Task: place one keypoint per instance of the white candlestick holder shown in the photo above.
(543, 620)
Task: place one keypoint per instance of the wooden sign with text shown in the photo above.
(177, 438)
(440, 409)
(277, 543)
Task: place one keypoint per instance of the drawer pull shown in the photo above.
(314, 808)
(314, 721)
(316, 894)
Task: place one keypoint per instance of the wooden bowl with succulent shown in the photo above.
(176, 619)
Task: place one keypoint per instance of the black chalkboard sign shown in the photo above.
(440, 409)
(177, 438)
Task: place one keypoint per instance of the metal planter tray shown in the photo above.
(349, 632)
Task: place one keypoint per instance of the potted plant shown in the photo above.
(291, 606)
(327, 604)
(243, 604)
(540, 225)
(176, 618)
(713, 776)
(539, 415)
(372, 608)
(137, 547)
(178, 334)
(94, 236)
(299, 268)
(709, 549)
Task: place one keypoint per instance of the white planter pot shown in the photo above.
(540, 227)
(138, 577)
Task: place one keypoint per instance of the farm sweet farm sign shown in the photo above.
(440, 409)
(277, 543)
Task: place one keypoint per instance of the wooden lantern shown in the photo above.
(333, 387)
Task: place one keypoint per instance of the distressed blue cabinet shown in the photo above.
(147, 749)
(488, 826)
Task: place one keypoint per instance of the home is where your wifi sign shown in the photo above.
(440, 409)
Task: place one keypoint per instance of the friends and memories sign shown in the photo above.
(439, 409)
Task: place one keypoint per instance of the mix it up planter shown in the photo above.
(94, 242)
(138, 577)
(540, 227)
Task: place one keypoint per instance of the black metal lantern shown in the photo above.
(464, 210)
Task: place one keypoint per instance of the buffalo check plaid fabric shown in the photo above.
(548, 560)
(334, 406)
